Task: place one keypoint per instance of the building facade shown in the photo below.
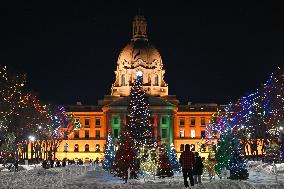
(173, 124)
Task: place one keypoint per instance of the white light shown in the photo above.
(32, 138)
(281, 128)
(39, 127)
(139, 73)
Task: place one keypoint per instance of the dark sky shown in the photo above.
(212, 51)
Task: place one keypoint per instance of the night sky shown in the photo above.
(212, 51)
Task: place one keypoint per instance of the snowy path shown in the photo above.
(102, 180)
(74, 177)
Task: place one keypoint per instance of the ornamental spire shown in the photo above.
(139, 27)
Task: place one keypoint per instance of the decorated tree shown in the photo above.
(165, 168)
(109, 153)
(237, 165)
(138, 123)
(148, 166)
(174, 160)
(273, 153)
(11, 98)
(7, 149)
(126, 158)
(224, 152)
(213, 128)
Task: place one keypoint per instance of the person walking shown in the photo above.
(197, 169)
(187, 162)
(16, 165)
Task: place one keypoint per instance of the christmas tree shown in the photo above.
(165, 168)
(273, 153)
(237, 168)
(125, 159)
(174, 160)
(149, 165)
(224, 151)
(213, 128)
(109, 153)
(138, 123)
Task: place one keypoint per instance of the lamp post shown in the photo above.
(66, 150)
(32, 139)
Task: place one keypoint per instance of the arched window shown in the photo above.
(123, 80)
(87, 149)
(76, 148)
(98, 148)
(156, 80)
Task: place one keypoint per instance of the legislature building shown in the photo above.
(173, 123)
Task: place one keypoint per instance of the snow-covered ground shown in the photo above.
(261, 176)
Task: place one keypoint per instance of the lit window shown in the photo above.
(192, 133)
(181, 133)
(123, 80)
(156, 80)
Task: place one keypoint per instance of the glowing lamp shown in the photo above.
(139, 73)
(32, 138)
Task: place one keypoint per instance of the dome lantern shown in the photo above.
(139, 28)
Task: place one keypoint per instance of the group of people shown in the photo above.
(192, 166)
(50, 164)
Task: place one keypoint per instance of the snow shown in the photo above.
(73, 176)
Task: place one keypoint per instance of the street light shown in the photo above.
(66, 149)
(32, 139)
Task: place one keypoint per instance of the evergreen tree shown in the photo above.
(273, 153)
(125, 158)
(138, 123)
(165, 168)
(149, 165)
(174, 160)
(224, 151)
(109, 153)
(238, 169)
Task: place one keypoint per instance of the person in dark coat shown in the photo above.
(16, 165)
(187, 162)
(51, 163)
(58, 163)
(64, 163)
(198, 169)
(44, 164)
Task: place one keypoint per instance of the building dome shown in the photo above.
(139, 56)
(139, 52)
